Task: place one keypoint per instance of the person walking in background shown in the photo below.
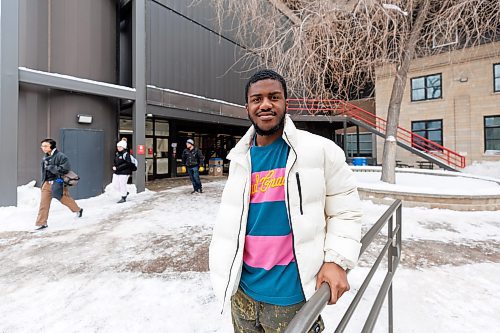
(193, 160)
(54, 165)
(122, 169)
(289, 218)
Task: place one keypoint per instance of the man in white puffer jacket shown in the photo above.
(289, 217)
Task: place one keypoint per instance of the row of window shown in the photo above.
(433, 130)
(429, 129)
(430, 86)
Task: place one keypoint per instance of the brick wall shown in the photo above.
(467, 96)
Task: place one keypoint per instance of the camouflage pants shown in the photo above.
(251, 316)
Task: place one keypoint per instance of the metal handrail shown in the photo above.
(308, 314)
(339, 107)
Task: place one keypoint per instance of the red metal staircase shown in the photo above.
(425, 148)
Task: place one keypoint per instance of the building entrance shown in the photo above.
(157, 164)
(166, 140)
(157, 145)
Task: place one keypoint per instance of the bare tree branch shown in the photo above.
(330, 49)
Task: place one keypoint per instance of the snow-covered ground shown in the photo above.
(489, 169)
(430, 183)
(477, 179)
(142, 266)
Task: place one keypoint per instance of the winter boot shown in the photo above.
(123, 199)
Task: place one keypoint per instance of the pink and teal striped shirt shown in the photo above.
(269, 269)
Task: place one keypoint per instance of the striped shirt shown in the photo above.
(269, 271)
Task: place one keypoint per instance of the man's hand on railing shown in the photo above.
(336, 277)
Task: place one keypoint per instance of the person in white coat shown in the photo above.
(122, 169)
(289, 219)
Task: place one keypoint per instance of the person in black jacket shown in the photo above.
(54, 165)
(122, 169)
(193, 159)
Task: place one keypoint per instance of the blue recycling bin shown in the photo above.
(359, 161)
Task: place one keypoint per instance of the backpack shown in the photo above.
(134, 162)
(70, 178)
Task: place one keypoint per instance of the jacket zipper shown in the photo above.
(300, 192)
(237, 247)
(290, 215)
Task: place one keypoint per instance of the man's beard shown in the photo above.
(270, 131)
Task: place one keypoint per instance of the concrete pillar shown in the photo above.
(139, 83)
(9, 97)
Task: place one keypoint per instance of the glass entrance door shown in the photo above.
(157, 148)
(157, 157)
(161, 157)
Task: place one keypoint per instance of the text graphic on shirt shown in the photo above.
(268, 185)
(268, 179)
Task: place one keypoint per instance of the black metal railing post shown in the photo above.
(390, 269)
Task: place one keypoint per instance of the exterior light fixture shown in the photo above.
(84, 119)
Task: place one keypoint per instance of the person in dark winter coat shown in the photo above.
(54, 165)
(122, 169)
(194, 160)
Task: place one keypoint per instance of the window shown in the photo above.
(365, 145)
(496, 78)
(426, 87)
(429, 129)
(492, 133)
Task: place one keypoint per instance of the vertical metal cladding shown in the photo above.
(68, 37)
(186, 52)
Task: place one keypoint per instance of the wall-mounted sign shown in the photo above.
(140, 150)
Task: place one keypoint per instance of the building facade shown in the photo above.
(87, 73)
(453, 99)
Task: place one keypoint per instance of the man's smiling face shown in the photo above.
(266, 106)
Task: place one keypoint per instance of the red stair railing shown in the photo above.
(337, 107)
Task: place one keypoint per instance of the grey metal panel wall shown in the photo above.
(37, 121)
(204, 13)
(185, 102)
(33, 34)
(83, 39)
(33, 101)
(70, 37)
(126, 48)
(184, 56)
(33, 127)
(64, 110)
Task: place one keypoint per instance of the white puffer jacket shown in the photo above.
(322, 203)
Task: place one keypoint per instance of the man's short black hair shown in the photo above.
(51, 142)
(265, 74)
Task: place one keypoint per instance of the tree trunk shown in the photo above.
(390, 144)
